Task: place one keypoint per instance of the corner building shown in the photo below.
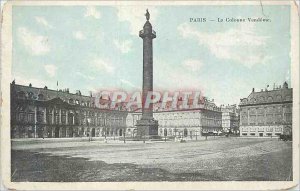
(190, 123)
(267, 113)
(41, 113)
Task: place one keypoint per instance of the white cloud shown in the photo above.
(43, 21)
(192, 64)
(135, 15)
(50, 69)
(241, 44)
(103, 65)
(79, 35)
(124, 46)
(92, 12)
(35, 44)
(174, 78)
(85, 76)
(128, 83)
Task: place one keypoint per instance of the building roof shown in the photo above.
(45, 94)
(277, 95)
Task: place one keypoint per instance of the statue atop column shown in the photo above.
(147, 15)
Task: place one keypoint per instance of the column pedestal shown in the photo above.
(147, 129)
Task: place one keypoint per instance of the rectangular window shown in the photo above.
(269, 129)
(261, 129)
(21, 117)
(252, 119)
(260, 119)
(244, 134)
(270, 119)
(57, 119)
(63, 119)
(31, 118)
(252, 134)
(49, 118)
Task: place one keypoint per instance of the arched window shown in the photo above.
(21, 95)
(270, 99)
(30, 95)
(40, 97)
(261, 99)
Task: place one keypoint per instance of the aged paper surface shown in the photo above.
(150, 95)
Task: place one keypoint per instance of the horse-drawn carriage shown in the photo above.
(284, 137)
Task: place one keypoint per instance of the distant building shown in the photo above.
(230, 118)
(189, 123)
(267, 113)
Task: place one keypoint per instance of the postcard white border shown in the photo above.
(6, 56)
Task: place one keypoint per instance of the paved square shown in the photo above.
(217, 159)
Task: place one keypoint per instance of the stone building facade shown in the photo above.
(267, 113)
(191, 123)
(230, 118)
(40, 112)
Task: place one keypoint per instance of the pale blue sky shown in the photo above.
(98, 47)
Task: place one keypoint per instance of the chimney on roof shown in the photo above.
(30, 85)
(253, 89)
(45, 88)
(13, 82)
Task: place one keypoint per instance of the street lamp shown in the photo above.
(124, 134)
(165, 134)
(105, 130)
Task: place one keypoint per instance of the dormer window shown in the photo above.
(30, 95)
(71, 101)
(40, 97)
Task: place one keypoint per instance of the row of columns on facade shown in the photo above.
(73, 117)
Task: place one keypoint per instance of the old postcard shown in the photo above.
(150, 95)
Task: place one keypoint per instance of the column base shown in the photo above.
(147, 129)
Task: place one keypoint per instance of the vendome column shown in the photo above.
(147, 127)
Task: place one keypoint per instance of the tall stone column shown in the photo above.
(147, 127)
